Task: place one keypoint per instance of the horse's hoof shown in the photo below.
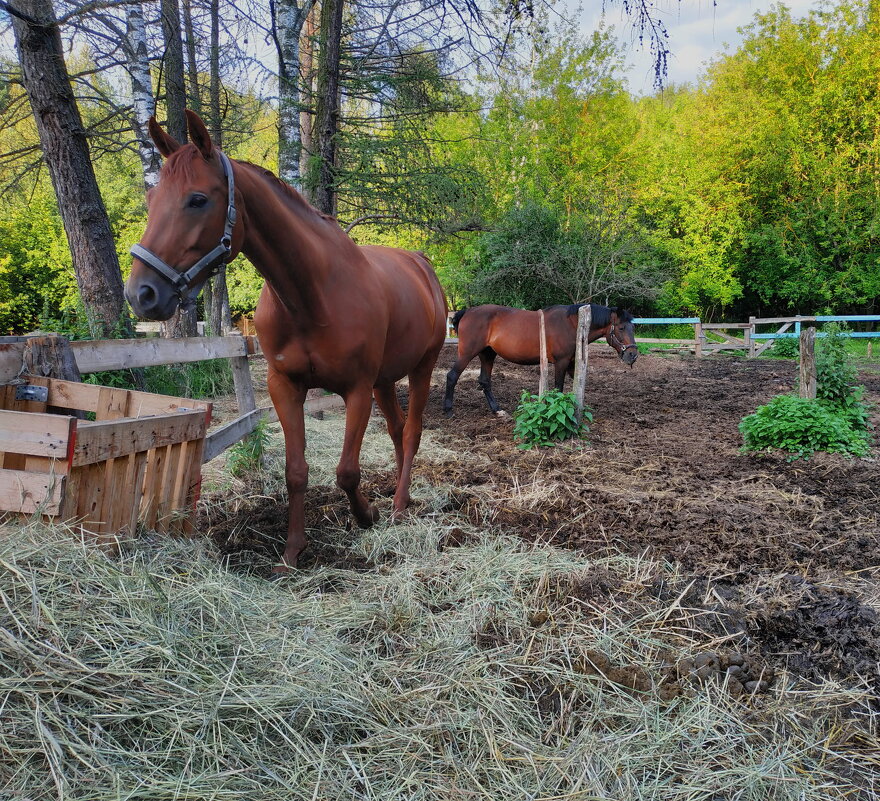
(370, 519)
(447, 412)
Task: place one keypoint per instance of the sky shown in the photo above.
(698, 30)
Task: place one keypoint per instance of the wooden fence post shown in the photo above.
(542, 381)
(807, 382)
(751, 338)
(244, 384)
(698, 340)
(582, 358)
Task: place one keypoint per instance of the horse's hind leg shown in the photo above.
(487, 362)
(561, 367)
(386, 399)
(419, 387)
(358, 404)
(463, 360)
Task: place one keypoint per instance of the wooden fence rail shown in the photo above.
(94, 356)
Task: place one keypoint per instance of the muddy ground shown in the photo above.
(783, 552)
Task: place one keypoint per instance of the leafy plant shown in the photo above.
(548, 418)
(786, 348)
(802, 426)
(246, 456)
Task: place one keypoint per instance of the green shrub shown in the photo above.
(787, 348)
(548, 418)
(246, 456)
(800, 427)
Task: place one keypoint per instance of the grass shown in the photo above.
(442, 673)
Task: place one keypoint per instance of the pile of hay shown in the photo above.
(489, 670)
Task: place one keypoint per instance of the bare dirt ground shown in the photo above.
(785, 552)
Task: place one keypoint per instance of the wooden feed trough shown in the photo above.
(138, 461)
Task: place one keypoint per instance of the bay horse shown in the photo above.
(514, 334)
(350, 319)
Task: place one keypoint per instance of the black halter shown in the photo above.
(183, 282)
(622, 348)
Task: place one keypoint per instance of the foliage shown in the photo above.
(835, 378)
(785, 348)
(837, 421)
(207, 379)
(246, 456)
(801, 426)
(548, 418)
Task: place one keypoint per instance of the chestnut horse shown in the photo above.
(349, 319)
(514, 334)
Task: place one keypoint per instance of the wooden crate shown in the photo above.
(138, 461)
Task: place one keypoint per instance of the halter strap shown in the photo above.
(183, 282)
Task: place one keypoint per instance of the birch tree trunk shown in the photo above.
(143, 102)
(66, 153)
(289, 20)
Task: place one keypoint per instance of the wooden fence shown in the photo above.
(94, 356)
(752, 338)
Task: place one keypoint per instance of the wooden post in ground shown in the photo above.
(698, 340)
(870, 348)
(807, 381)
(244, 385)
(582, 357)
(753, 343)
(542, 381)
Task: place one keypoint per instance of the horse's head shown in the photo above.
(191, 230)
(621, 336)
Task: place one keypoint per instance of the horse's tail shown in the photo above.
(456, 318)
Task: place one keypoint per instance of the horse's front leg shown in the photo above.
(358, 404)
(288, 398)
(561, 366)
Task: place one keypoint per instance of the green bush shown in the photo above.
(548, 418)
(787, 348)
(800, 427)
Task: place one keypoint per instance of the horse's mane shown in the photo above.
(179, 164)
(600, 315)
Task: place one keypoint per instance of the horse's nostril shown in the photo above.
(146, 296)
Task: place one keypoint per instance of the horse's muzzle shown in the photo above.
(151, 300)
(629, 356)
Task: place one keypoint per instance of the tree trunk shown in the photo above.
(183, 323)
(307, 70)
(66, 152)
(192, 69)
(218, 315)
(143, 101)
(327, 111)
(289, 21)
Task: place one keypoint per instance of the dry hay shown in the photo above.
(493, 669)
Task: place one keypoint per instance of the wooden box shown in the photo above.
(139, 460)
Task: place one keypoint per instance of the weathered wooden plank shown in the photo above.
(37, 434)
(112, 403)
(225, 437)
(138, 404)
(654, 341)
(119, 354)
(28, 493)
(114, 438)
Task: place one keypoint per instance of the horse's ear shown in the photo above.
(198, 134)
(165, 144)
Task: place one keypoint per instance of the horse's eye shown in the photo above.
(197, 201)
